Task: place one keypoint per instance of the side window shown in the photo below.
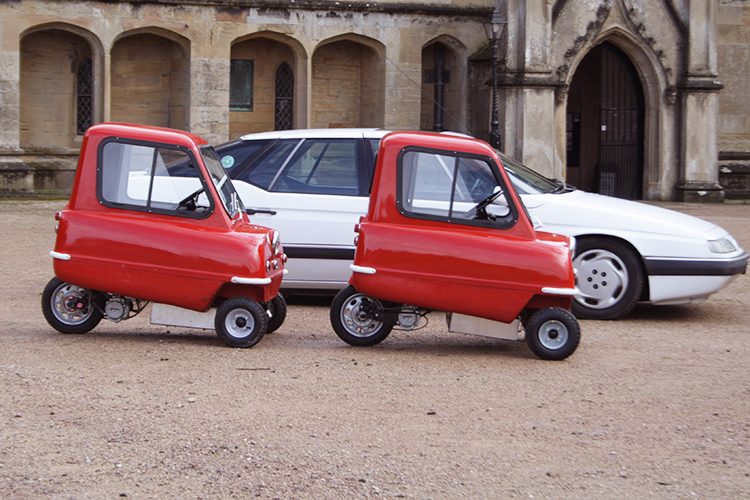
(152, 178)
(322, 167)
(454, 188)
(266, 169)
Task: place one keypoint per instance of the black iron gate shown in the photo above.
(619, 171)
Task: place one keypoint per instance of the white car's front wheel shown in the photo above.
(609, 278)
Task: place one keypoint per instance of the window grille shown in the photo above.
(85, 101)
(284, 97)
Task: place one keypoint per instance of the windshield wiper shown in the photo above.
(561, 186)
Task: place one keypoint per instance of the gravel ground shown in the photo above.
(653, 406)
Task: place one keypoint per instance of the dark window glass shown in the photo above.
(241, 85)
(322, 166)
(264, 170)
(234, 154)
(84, 96)
(284, 97)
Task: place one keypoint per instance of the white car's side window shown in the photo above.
(327, 166)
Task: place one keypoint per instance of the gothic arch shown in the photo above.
(268, 50)
(56, 40)
(150, 78)
(180, 40)
(376, 46)
(659, 99)
(348, 82)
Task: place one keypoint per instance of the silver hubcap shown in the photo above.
(601, 278)
(553, 334)
(354, 319)
(71, 304)
(239, 323)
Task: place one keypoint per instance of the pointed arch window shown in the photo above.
(84, 96)
(284, 97)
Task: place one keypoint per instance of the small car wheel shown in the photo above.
(240, 322)
(609, 278)
(276, 312)
(352, 320)
(71, 309)
(552, 333)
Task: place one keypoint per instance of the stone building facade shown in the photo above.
(642, 99)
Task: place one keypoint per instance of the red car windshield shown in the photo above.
(229, 197)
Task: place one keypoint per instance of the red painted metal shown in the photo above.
(186, 262)
(493, 273)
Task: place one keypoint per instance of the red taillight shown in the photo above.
(57, 216)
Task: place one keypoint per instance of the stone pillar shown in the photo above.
(209, 99)
(699, 175)
(10, 96)
(403, 74)
(529, 128)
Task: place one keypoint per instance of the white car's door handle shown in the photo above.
(253, 211)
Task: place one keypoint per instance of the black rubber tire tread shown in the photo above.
(258, 314)
(337, 306)
(58, 324)
(277, 307)
(542, 316)
(635, 277)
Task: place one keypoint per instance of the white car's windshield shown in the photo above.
(526, 181)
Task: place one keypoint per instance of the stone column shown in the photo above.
(699, 175)
(529, 87)
(209, 99)
(10, 94)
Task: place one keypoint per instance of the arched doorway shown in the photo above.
(348, 84)
(55, 71)
(604, 125)
(256, 64)
(150, 77)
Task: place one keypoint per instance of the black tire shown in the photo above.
(71, 309)
(276, 312)
(609, 276)
(240, 322)
(352, 324)
(552, 333)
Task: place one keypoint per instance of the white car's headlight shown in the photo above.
(722, 245)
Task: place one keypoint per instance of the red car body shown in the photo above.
(119, 236)
(478, 271)
(445, 230)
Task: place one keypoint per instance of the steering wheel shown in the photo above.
(485, 202)
(190, 201)
(479, 211)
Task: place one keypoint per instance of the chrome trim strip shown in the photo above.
(251, 281)
(362, 270)
(559, 291)
(59, 256)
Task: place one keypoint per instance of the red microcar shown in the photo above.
(446, 231)
(153, 217)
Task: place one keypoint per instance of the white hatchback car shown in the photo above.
(312, 186)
